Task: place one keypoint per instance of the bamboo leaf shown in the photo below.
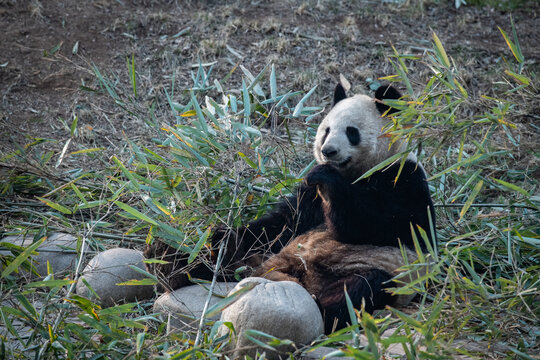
(383, 165)
(86, 151)
(254, 85)
(223, 303)
(49, 283)
(198, 246)
(14, 265)
(273, 83)
(350, 307)
(140, 342)
(74, 126)
(439, 50)
(247, 160)
(471, 198)
(135, 212)
(198, 111)
(513, 187)
(131, 70)
(189, 113)
(513, 48)
(469, 161)
(55, 206)
(247, 103)
(140, 282)
(298, 109)
(127, 173)
(519, 78)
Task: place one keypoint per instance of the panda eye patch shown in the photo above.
(326, 132)
(353, 135)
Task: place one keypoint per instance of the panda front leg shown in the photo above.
(342, 213)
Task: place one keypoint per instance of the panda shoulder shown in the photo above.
(413, 168)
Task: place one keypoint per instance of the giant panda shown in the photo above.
(356, 247)
(335, 230)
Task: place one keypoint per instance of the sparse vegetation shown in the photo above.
(222, 152)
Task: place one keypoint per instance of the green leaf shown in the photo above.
(383, 164)
(469, 161)
(131, 70)
(74, 126)
(155, 261)
(298, 109)
(140, 282)
(140, 342)
(248, 160)
(86, 151)
(222, 304)
(135, 212)
(8, 324)
(14, 265)
(512, 187)
(127, 173)
(516, 51)
(471, 198)
(273, 83)
(272, 340)
(198, 246)
(93, 204)
(198, 111)
(254, 85)
(55, 206)
(247, 104)
(439, 50)
(350, 307)
(520, 78)
(49, 283)
(53, 50)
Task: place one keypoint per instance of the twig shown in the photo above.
(216, 271)
(72, 287)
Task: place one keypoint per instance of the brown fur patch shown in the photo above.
(316, 261)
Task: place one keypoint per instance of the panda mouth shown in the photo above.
(344, 163)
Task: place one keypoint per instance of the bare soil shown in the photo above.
(310, 42)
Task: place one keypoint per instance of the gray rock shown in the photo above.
(109, 268)
(59, 249)
(320, 353)
(282, 309)
(183, 307)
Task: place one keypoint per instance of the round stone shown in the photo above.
(183, 308)
(283, 309)
(59, 249)
(110, 268)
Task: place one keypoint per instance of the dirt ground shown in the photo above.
(48, 48)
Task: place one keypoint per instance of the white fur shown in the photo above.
(357, 111)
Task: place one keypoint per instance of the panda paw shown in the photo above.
(324, 174)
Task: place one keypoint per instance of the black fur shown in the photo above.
(375, 207)
(339, 94)
(353, 135)
(386, 92)
(368, 288)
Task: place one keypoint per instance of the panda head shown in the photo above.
(350, 137)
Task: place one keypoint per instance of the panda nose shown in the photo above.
(329, 152)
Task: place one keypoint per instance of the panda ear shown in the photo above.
(339, 94)
(386, 92)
